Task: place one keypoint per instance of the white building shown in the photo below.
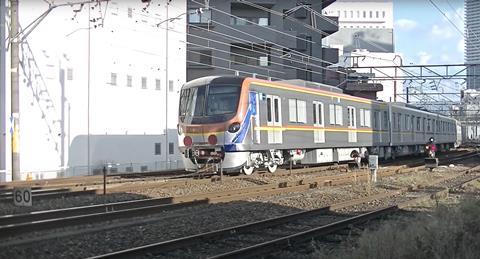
(99, 92)
(366, 31)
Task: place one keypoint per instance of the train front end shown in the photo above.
(211, 123)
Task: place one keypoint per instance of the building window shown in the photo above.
(157, 84)
(200, 57)
(171, 150)
(129, 81)
(364, 14)
(377, 14)
(170, 85)
(129, 12)
(113, 78)
(383, 14)
(358, 14)
(158, 149)
(336, 114)
(371, 14)
(338, 13)
(256, 55)
(69, 73)
(144, 83)
(345, 14)
(194, 16)
(297, 111)
(261, 21)
(351, 14)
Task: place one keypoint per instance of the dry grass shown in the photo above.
(448, 232)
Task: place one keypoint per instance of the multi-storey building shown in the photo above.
(273, 39)
(98, 86)
(472, 42)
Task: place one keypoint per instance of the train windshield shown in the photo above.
(209, 103)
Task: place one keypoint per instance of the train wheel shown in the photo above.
(272, 168)
(247, 170)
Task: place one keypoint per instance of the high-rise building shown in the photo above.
(274, 39)
(472, 42)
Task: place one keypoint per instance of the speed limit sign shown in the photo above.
(22, 196)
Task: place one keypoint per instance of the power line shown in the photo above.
(446, 16)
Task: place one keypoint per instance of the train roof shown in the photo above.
(214, 80)
(313, 85)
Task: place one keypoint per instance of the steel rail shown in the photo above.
(267, 247)
(50, 223)
(168, 245)
(49, 194)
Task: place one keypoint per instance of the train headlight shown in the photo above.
(187, 141)
(234, 127)
(179, 129)
(212, 139)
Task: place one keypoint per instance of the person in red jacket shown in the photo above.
(431, 147)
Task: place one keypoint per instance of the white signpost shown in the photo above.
(373, 166)
(22, 196)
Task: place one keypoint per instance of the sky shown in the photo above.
(423, 35)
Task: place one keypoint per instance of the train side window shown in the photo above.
(318, 114)
(269, 109)
(399, 121)
(336, 114)
(385, 120)
(331, 109)
(351, 117)
(375, 119)
(365, 118)
(418, 123)
(276, 110)
(297, 110)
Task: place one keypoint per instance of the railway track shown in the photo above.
(96, 182)
(271, 235)
(41, 220)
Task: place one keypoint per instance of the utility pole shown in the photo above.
(15, 101)
(167, 88)
(3, 97)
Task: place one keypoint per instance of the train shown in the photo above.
(243, 124)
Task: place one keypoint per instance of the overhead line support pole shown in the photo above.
(15, 98)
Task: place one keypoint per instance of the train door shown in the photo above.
(352, 124)
(318, 123)
(274, 119)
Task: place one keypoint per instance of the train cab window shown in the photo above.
(209, 103)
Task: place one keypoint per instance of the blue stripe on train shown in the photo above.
(251, 111)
